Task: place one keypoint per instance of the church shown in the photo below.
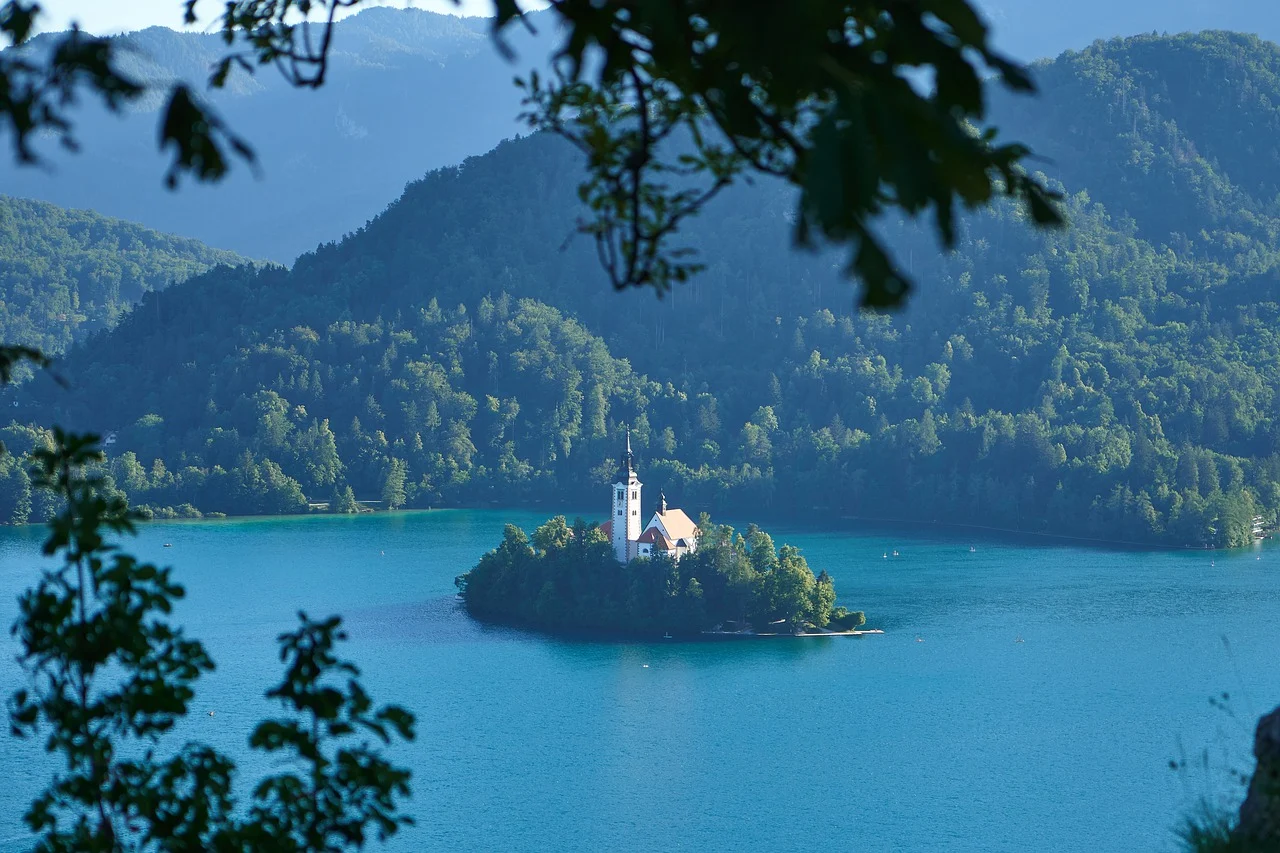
(669, 531)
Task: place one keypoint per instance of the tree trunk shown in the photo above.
(1259, 827)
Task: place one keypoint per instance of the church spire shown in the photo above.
(627, 462)
(662, 503)
(628, 458)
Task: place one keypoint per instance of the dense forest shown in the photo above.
(67, 273)
(1114, 380)
(567, 579)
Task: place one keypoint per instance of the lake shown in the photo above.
(942, 734)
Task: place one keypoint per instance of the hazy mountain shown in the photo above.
(1033, 29)
(410, 91)
(1178, 133)
(1114, 380)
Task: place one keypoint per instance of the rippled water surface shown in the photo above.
(942, 734)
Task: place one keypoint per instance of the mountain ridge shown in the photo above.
(1175, 170)
(1095, 382)
(410, 91)
(1031, 30)
(401, 101)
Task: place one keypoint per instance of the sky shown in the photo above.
(1028, 29)
(117, 16)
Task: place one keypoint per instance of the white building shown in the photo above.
(669, 531)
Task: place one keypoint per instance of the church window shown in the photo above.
(634, 512)
(635, 495)
(619, 512)
(621, 493)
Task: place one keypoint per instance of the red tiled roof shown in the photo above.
(654, 537)
(607, 529)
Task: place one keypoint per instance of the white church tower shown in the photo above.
(626, 507)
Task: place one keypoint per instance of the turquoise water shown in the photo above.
(961, 740)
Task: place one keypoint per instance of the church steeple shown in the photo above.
(662, 503)
(627, 462)
(626, 506)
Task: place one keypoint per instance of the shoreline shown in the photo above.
(752, 635)
(596, 635)
(909, 524)
(1064, 538)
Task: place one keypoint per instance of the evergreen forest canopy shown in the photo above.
(1116, 380)
(567, 579)
(67, 273)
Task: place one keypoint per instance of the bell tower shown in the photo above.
(626, 506)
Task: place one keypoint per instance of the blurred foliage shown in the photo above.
(109, 678)
(863, 107)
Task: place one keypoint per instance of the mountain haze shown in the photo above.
(1032, 29)
(1177, 132)
(410, 91)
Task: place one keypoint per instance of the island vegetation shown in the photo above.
(566, 579)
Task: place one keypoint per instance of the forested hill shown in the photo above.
(1117, 380)
(66, 273)
(1030, 29)
(1179, 133)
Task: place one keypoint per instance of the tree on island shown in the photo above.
(344, 501)
(567, 579)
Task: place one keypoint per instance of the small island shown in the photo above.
(673, 579)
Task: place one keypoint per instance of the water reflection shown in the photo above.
(444, 620)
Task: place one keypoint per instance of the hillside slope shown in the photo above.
(1111, 381)
(67, 273)
(1181, 133)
